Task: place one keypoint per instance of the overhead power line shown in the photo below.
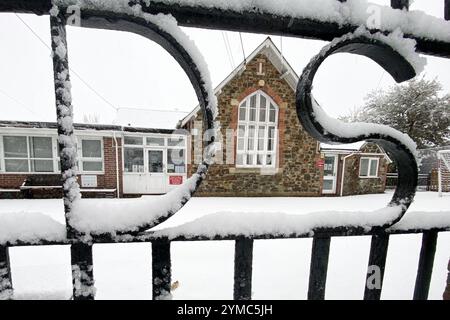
(18, 102)
(242, 46)
(72, 70)
(228, 49)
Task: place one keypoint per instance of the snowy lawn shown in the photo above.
(204, 269)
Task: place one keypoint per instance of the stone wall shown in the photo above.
(296, 173)
(353, 184)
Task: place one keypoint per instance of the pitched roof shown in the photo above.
(270, 50)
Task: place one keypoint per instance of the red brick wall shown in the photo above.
(104, 181)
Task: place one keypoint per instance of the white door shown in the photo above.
(329, 174)
(156, 166)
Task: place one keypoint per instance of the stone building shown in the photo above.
(266, 150)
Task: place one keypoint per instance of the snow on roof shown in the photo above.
(148, 118)
(347, 146)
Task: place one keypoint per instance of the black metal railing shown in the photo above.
(81, 257)
(256, 21)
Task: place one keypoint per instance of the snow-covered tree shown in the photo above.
(417, 108)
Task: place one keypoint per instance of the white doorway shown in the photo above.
(330, 174)
(153, 164)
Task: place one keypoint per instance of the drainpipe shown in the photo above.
(343, 172)
(117, 166)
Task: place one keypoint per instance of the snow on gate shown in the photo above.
(130, 222)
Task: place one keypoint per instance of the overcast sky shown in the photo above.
(127, 70)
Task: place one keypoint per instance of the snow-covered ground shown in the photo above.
(204, 269)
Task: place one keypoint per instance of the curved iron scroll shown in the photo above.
(401, 70)
(104, 19)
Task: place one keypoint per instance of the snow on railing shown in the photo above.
(350, 12)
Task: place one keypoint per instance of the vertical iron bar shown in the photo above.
(377, 262)
(447, 9)
(64, 113)
(243, 260)
(6, 288)
(446, 295)
(425, 268)
(318, 268)
(400, 4)
(161, 269)
(82, 274)
(82, 271)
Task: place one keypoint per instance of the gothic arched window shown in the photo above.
(257, 131)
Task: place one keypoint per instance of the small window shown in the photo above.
(176, 142)
(368, 167)
(133, 159)
(176, 161)
(133, 140)
(91, 149)
(152, 141)
(91, 155)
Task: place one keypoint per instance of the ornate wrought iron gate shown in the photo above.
(248, 19)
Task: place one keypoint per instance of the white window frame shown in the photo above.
(369, 167)
(257, 123)
(96, 159)
(165, 148)
(28, 158)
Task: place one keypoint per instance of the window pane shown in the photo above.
(41, 147)
(240, 159)
(260, 159)
(15, 147)
(240, 145)
(91, 148)
(175, 161)
(251, 138)
(262, 109)
(16, 165)
(42, 165)
(155, 141)
(242, 110)
(364, 167)
(272, 113)
(327, 184)
(269, 159)
(271, 139)
(155, 161)
(133, 140)
(261, 136)
(241, 131)
(373, 167)
(92, 166)
(175, 142)
(133, 160)
(253, 108)
(328, 167)
(250, 159)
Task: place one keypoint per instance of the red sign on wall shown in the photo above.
(175, 180)
(320, 163)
